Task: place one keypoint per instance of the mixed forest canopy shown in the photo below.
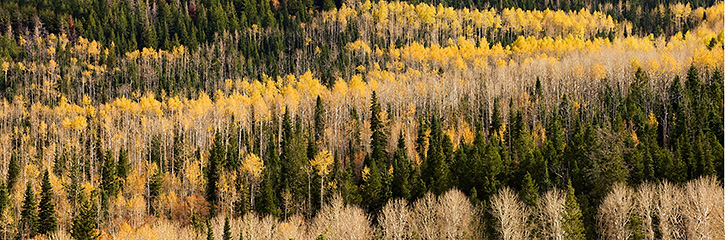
(357, 119)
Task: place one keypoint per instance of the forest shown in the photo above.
(350, 119)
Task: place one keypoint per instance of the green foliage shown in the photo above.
(29, 214)
(572, 217)
(109, 177)
(213, 172)
(529, 193)
(123, 167)
(227, 230)
(47, 221)
(378, 141)
(13, 171)
(155, 188)
(85, 226)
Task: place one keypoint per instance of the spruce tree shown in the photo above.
(529, 193)
(13, 171)
(216, 153)
(373, 188)
(319, 121)
(123, 166)
(47, 222)
(29, 214)
(155, 188)
(573, 226)
(209, 231)
(378, 141)
(84, 222)
(227, 230)
(4, 199)
(109, 182)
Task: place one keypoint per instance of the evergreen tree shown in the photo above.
(213, 174)
(373, 188)
(123, 167)
(529, 193)
(109, 182)
(4, 199)
(227, 230)
(155, 188)
(319, 121)
(209, 231)
(47, 222)
(13, 171)
(84, 222)
(572, 225)
(29, 214)
(379, 140)
(401, 172)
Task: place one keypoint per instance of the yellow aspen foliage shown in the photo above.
(321, 163)
(253, 165)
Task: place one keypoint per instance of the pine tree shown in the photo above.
(209, 231)
(13, 171)
(4, 199)
(216, 153)
(401, 172)
(227, 230)
(573, 226)
(109, 182)
(47, 222)
(155, 188)
(84, 222)
(123, 166)
(319, 121)
(529, 193)
(373, 189)
(378, 140)
(29, 215)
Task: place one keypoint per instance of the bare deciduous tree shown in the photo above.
(338, 220)
(454, 215)
(669, 201)
(645, 208)
(425, 217)
(550, 209)
(615, 212)
(510, 214)
(395, 220)
(703, 209)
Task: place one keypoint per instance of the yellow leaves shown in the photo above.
(5, 67)
(78, 123)
(635, 139)
(365, 173)
(321, 163)
(253, 165)
(652, 120)
(149, 105)
(599, 71)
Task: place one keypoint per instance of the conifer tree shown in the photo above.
(373, 188)
(209, 231)
(572, 225)
(123, 166)
(13, 171)
(47, 222)
(84, 222)
(227, 230)
(401, 172)
(319, 121)
(378, 140)
(216, 153)
(109, 183)
(529, 193)
(29, 214)
(155, 188)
